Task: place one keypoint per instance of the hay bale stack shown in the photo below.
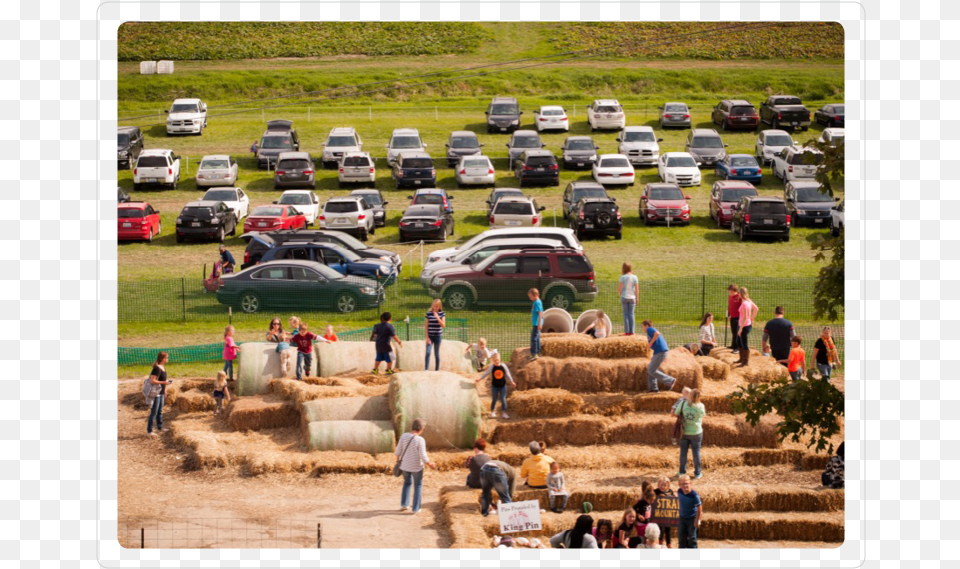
(583, 346)
(259, 362)
(681, 365)
(262, 412)
(714, 369)
(343, 409)
(761, 370)
(731, 357)
(448, 402)
(579, 431)
(371, 437)
(195, 400)
(545, 403)
(340, 358)
(300, 391)
(583, 375)
(452, 357)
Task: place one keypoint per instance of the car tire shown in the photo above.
(834, 231)
(402, 237)
(774, 124)
(619, 235)
(136, 187)
(453, 227)
(743, 234)
(179, 238)
(150, 237)
(804, 128)
(249, 302)
(560, 299)
(233, 231)
(222, 235)
(723, 125)
(787, 238)
(363, 235)
(443, 234)
(719, 224)
(159, 228)
(458, 298)
(346, 303)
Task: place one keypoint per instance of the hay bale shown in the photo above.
(340, 358)
(583, 346)
(544, 403)
(681, 365)
(300, 391)
(452, 356)
(258, 412)
(259, 362)
(761, 370)
(343, 409)
(448, 402)
(714, 369)
(579, 431)
(195, 400)
(371, 437)
(583, 375)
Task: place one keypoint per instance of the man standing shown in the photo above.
(691, 508)
(658, 344)
(776, 336)
(226, 260)
(733, 313)
(536, 313)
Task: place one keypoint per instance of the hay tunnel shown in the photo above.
(449, 403)
(259, 363)
(371, 437)
(452, 357)
(344, 409)
(557, 320)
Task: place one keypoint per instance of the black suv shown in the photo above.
(761, 216)
(596, 216)
(129, 146)
(206, 219)
(260, 243)
(538, 167)
(581, 189)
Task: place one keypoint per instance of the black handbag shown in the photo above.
(678, 427)
(396, 467)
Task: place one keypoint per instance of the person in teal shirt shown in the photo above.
(692, 411)
(536, 318)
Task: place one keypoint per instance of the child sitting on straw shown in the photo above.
(603, 533)
(499, 375)
(557, 487)
(481, 355)
(220, 391)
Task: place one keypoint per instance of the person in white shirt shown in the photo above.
(412, 452)
(708, 337)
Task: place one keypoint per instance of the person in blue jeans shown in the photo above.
(629, 290)
(691, 509)
(659, 346)
(433, 325)
(536, 319)
(499, 376)
(500, 475)
(158, 376)
(412, 453)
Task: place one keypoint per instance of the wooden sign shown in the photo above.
(519, 516)
(666, 511)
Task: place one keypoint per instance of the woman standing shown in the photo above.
(692, 412)
(434, 324)
(412, 454)
(629, 290)
(708, 338)
(158, 376)
(825, 353)
(748, 311)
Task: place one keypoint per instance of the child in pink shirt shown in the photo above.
(229, 352)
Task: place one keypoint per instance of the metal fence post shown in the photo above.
(370, 113)
(703, 296)
(319, 534)
(183, 297)
(436, 111)
(308, 120)
(263, 115)
(141, 538)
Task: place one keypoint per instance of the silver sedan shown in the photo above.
(217, 170)
(475, 171)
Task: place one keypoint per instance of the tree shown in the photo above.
(828, 291)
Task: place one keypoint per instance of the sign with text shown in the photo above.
(666, 511)
(519, 516)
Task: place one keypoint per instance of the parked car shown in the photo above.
(796, 162)
(806, 204)
(279, 137)
(785, 111)
(414, 169)
(235, 198)
(338, 258)
(575, 191)
(356, 168)
(122, 195)
(462, 143)
(770, 143)
(426, 222)
(129, 146)
(295, 285)
(274, 218)
(294, 170)
(678, 168)
(340, 141)
(475, 170)
(639, 145)
(304, 201)
(217, 170)
(514, 211)
(563, 235)
(259, 243)
(206, 220)
(664, 203)
(726, 194)
(537, 167)
(404, 140)
(832, 136)
(497, 193)
(137, 221)
(350, 214)
(830, 115)
(614, 170)
(706, 146)
(186, 116)
(606, 114)
(596, 216)
(674, 115)
(551, 118)
(579, 152)
(739, 167)
(156, 167)
(735, 114)
(476, 255)
(503, 115)
(761, 216)
(563, 277)
(433, 196)
(521, 141)
(375, 200)
(836, 219)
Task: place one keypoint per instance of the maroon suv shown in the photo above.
(724, 195)
(563, 276)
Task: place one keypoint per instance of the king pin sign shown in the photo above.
(519, 516)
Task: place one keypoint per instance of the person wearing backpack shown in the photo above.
(154, 389)
(691, 413)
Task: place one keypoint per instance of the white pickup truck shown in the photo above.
(187, 116)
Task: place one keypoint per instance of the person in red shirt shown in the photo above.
(733, 313)
(304, 341)
(797, 362)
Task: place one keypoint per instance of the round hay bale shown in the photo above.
(557, 320)
(449, 403)
(259, 362)
(588, 317)
(545, 403)
(340, 358)
(452, 356)
(344, 409)
(371, 437)
(713, 368)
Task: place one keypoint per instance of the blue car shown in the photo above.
(739, 167)
(432, 196)
(338, 258)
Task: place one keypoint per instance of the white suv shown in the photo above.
(796, 163)
(564, 235)
(156, 166)
(404, 140)
(356, 167)
(350, 214)
(640, 145)
(606, 113)
(339, 142)
(187, 116)
(771, 142)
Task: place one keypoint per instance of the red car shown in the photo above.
(724, 195)
(274, 217)
(137, 221)
(664, 203)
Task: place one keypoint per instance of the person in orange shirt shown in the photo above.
(329, 335)
(796, 364)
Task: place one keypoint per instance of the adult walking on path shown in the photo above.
(629, 290)
(825, 353)
(777, 333)
(748, 311)
(658, 344)
(733, 313)
(158, 377)
(412, 452)
(500, 475)
(691, 411)
(434, 323)
(708, 336)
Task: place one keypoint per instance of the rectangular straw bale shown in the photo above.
(581, 345)
(544, 403)
(201, 448)
(682, 365)
(195, 400)
(714, 369)
(583, 375)
(775, 526)
(262, 412)
(579, 430)
(731, 357)
(299, 391)
(760, 370)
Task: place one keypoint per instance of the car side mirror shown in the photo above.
(489, 271)
(618, 139)
(424, 144)
(385, 203)
(614, 200)
(167, 111)
(521, 112)
(726, 145)
(450, 197)
(447, 145)
(661, 108)
(409, 197)
(386, 146)
(837, 199)
(507, 145)
(482, 145)
(659, 140)
(543, 145)
(542, 208)
(323, 144)
(486, 112)
(275, 203)
(686, 197)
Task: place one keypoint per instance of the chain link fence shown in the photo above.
(218, 533)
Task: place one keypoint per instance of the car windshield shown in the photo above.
(341, 141)
(197, 212)
(476, 163)
(123, 139)
(129, 212)
(341, 207)
(526, 142)
(787, 101)
(706, 142)
(734, 194)
(743, 162)
(405, 142)
(779, 140)
(742, 111)
(614, 163)
(214, 164)
(503, 109)
(464, 142)
(836, 138)
(675, 108)
(588, 193)
(152, 162)
(267, 211)
(768, 207)
(665, 193)
(498, 195)
(417, 163)
(184, 108)
(346, 254)
(551, 113)
(220, 196)
(422, 199)
(371, 199)
(806, 158)
(277, 142)
(812, 195)
(608, 109)
(295, 199)
(638, 136)
(356, 161)
(580, 145)
(297, 164)
(513, 208)
(838, 109)
(681, 162)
